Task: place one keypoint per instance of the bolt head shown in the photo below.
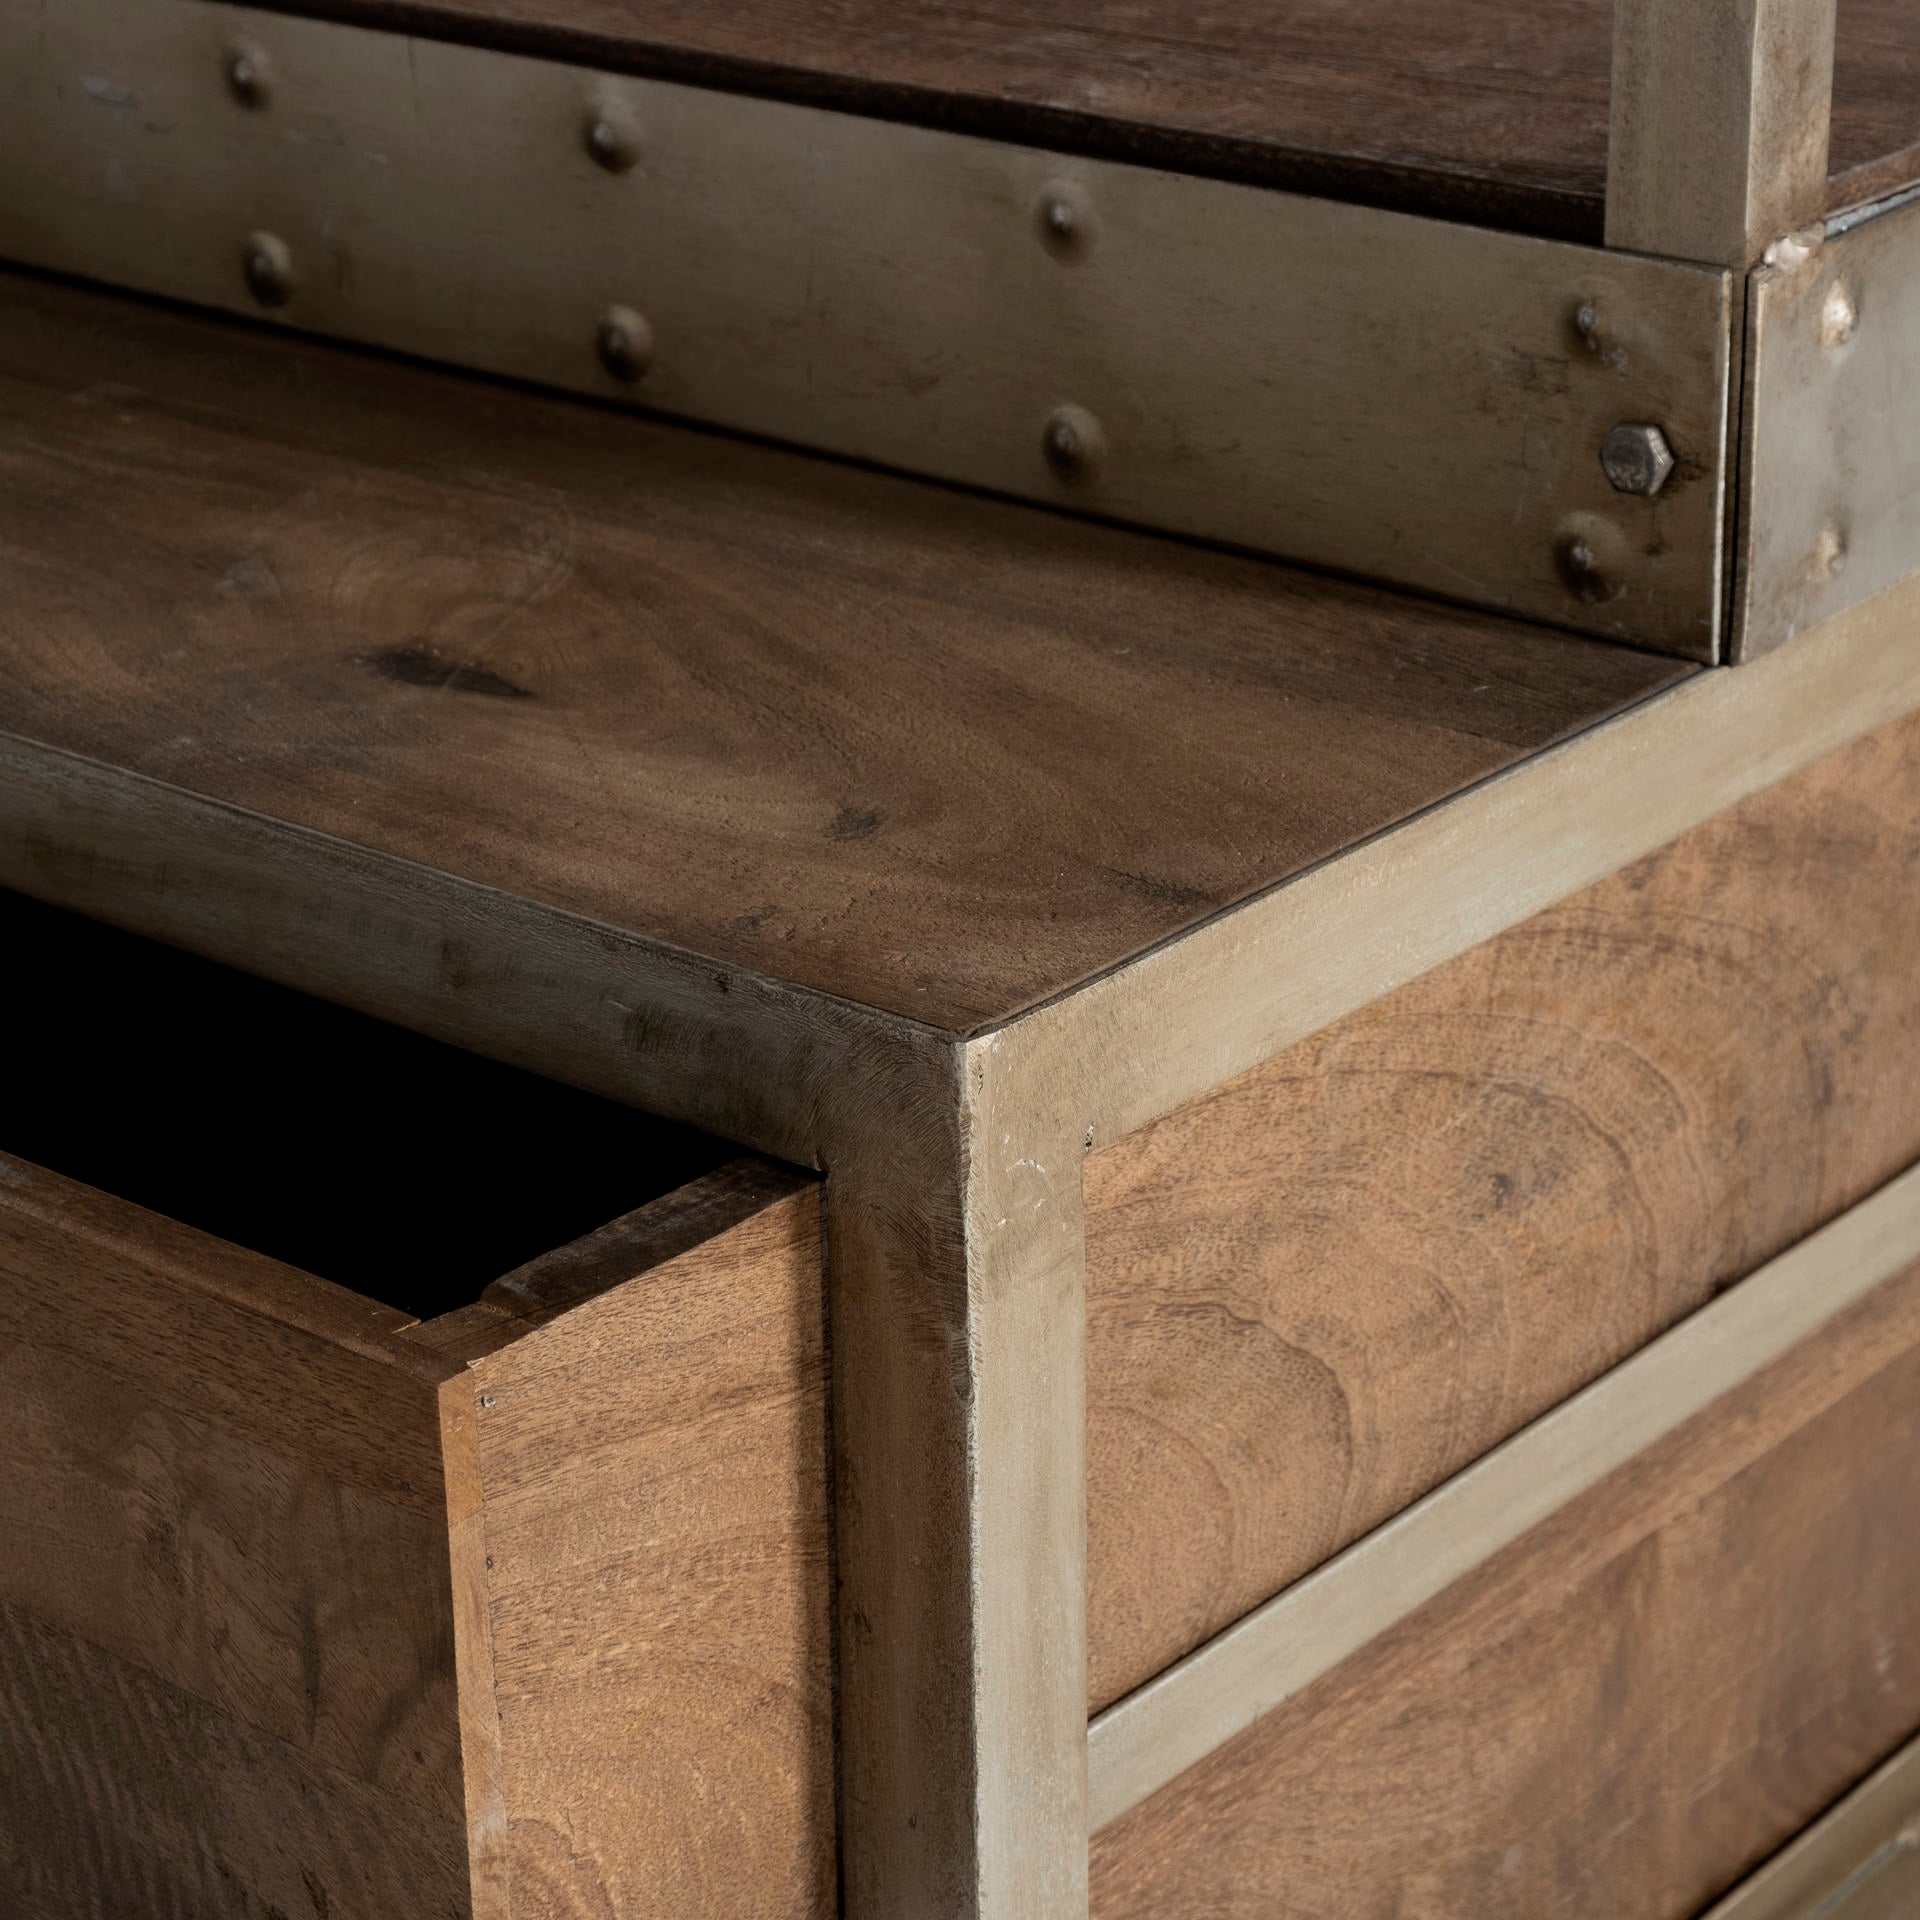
(1636, 459)
(626, 343)
(267, 263)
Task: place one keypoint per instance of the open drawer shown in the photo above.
(417, 1473)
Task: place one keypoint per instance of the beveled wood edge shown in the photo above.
(1874, 1830)
(1146, 1740)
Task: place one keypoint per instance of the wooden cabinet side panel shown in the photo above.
(226, 1642)
(656, 1512)
(1323, 1289)
(1622, 1713)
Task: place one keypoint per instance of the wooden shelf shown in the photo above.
(927, 751)
(1484, 110)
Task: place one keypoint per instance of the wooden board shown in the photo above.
(227, 1639)
(1625, 1711)
(1321, 1290)
(1483, 110)
(654, 1530)
(795, 717)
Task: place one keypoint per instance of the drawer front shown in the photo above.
(1320, 1291)
(228, 1630)
(1620, 1714)
(310, 1608)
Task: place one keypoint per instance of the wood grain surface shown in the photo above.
(1622, 1713)
(1487, 110)
(906, 746)
(227, 1670)
(1319, 1291)
(654, 1513)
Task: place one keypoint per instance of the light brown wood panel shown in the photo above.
(655, 1511)
(1487, 110)
(1620, 1714)
(927, 751)
(227, 1686)
(1320, 1290)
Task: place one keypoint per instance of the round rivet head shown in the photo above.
(1065, 220)
(249, 78)
(1074, 442)
(1636, 459)
(1838, 318)
(626, 343)
(613, 140)
(268, 266)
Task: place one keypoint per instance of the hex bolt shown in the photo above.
(613, 140)
(268, 266)
(626, 343)
(249, 78)
(1636, 459)
(1074, 443)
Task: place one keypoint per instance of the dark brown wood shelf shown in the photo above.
(1493, 111)
(936, 753)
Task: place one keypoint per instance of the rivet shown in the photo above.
(249, 78)
(268, 265)
(626, 343)
(1581, 569)
(1636, 459)
(1074, 443)
(1838, 318)
(613, 139)
(1587, 324)
(1065, 220)
(488, 1402)
(1829, 554)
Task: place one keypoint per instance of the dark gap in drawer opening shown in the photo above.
(401, 1167)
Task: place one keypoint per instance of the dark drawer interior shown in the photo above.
(398, 1166)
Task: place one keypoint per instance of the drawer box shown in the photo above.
(412, 1599)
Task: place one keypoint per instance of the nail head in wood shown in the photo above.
(268, 265)
(626, 343)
